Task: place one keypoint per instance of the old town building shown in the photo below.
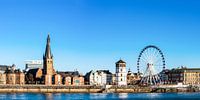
(2, 78)
(187, 76)
(10, 78)
(9, 75)
(78, 80)
(72, 78)
(99, 77)
(133, 78)
(3, 69)
(34, 76)
(57, 79)
(20, 77)
(121, 75)
(114, 82)
(15, 77)
(67, 80)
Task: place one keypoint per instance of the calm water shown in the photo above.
(123, 96)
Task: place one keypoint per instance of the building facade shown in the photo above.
(133, 78)
(72, 78)
(77, 81)
(121, 75)
(99, 77)
(2, 78)
(34, 76)
(14, 77)
(3, 69)
(57, 79)
(187, 76)
(67, 80)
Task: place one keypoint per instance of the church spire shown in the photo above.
(48, 54)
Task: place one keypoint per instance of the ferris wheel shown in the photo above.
(150, 63)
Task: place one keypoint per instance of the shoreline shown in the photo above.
(87, 89)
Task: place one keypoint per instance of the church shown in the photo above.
(48, 76)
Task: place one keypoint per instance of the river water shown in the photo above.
(92, 96)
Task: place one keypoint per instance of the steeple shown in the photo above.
(48, 54)
(48, 59)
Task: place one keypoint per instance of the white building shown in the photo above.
(99, 77)
(33, 64)
(121, 75)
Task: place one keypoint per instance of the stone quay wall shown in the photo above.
(69, 89)
(88, 89)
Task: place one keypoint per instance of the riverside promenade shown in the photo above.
(71, 89)
(88, 89)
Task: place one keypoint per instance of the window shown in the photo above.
(77, 81)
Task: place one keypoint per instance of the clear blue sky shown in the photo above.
(94, 34)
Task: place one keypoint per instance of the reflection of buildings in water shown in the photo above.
(49, 96)
(21, 96)
(153, 95)
(123, 95)
(98, 96)
(58, 96)
(13, 96)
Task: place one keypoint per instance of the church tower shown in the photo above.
(48, 59)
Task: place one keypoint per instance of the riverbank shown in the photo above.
(86, 89)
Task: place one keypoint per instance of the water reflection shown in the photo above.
(49, 96)
(13, 96)
(153, 95)
(3, 96)
(98, 96)
(123, 95)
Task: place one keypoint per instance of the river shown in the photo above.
(96, 96)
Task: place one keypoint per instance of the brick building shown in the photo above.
(15, 77)
(2, 78)
(34, 76)
(57, 79)
(72, 78)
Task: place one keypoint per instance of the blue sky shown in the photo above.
(94, 34)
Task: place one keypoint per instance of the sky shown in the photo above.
(94, 34)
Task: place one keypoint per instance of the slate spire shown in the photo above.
(48, 54)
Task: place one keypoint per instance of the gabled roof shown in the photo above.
(69, 73)
(120, 61)
(104, 71)
(33, 71)
(6, 67)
